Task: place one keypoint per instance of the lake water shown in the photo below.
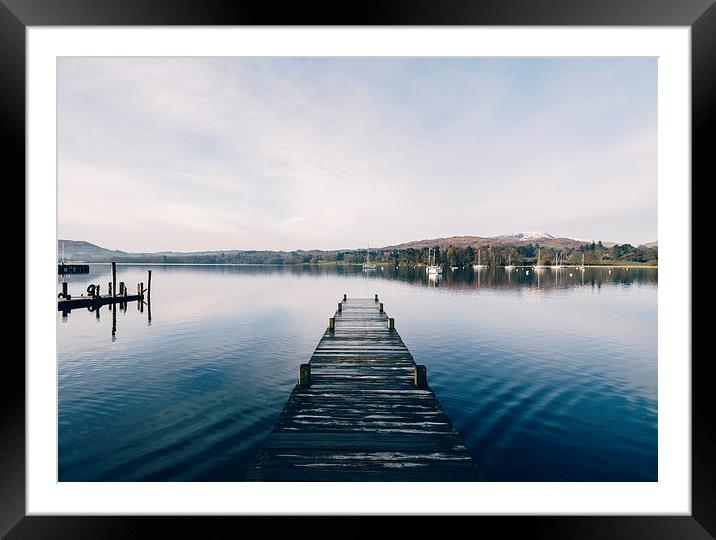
(547, 377)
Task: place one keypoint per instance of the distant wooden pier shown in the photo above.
(362, 411)
(75, 302)
(67, 302)
(66, 268)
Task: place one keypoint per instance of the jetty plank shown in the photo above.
(362, 418)
(75, 302)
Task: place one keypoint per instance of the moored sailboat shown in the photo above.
(479, 265)
(367, 266)
(558, 263)
(509, 265)
(433, 268)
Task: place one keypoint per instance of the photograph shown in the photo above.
(357, 269)
(402, 262)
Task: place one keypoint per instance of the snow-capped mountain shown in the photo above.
(526, 236)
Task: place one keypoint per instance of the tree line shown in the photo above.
(491, 255)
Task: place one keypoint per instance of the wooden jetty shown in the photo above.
(362, 411)
(75, 302)
(66, 302)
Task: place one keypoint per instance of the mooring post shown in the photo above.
(376, 297)
(121, 288)
(391, 323)
(421, 376)
(345, 297)
(64, 289)
(381, 307)
(331, 324)
(149, 283)
(304, 375)
(340, 307)
(109, 288)
(114, 280)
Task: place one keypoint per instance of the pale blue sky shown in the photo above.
(280, 153)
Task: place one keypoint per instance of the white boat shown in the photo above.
(539, 265)
(453, 268)
(509, 266)
(367, 267)
(433, 268)
(479, 265)
(558, 262)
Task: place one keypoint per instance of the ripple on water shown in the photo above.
(549, 384)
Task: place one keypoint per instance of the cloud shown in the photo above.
(231, 153)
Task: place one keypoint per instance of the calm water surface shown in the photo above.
(547, 377)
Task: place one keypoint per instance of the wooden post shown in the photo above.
(149, 283)
(64, 289)
(381, 307)
(114, 279)
(376, 297)
(109, 288)
(331, 324)
(421, 376)
(304, 375)
(121, 289)
(139, 289)
(391, 323)
(340, 307)
(345, 297)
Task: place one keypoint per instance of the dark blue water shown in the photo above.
(547, 377)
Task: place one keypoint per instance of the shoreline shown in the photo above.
(419, 265)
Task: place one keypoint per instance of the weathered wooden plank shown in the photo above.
(77, 302)
(362, 418)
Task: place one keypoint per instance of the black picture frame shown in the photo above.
(17, 15)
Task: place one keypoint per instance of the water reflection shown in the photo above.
(548, 376)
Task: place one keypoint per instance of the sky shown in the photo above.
(224, 153)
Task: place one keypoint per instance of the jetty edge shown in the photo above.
(362, 410)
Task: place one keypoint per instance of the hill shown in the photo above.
(522, 248)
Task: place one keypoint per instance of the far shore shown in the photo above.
(335, 263)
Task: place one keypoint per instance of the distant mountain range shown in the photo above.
(78, 250)
(521, 238)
